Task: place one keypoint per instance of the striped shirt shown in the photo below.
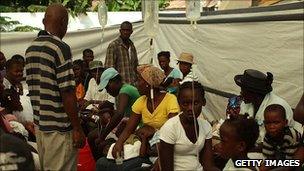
(123, 59)
(284, 150)
(49, 71)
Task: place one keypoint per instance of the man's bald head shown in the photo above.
(56, 20)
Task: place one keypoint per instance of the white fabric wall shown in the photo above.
(221, 51)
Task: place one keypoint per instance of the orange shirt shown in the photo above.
(80, 91)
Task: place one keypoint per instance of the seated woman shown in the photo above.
(173, 75)
(126, 95)
(256, 91)
(153, 108)
(185, 139)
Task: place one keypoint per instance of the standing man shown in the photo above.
(122, 55)
(52, 92)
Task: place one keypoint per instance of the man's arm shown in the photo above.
(70, 107)
(118, 115)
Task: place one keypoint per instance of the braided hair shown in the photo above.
(246, 129)
(188, 85)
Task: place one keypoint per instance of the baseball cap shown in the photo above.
(95, 64)
(106, 76)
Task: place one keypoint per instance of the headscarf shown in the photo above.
(151, 74)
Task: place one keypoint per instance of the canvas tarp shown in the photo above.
(221, 49)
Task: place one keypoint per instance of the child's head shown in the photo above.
(275, 120)
(14, 71)
(238, 135)
(78, 68)
(19, 58)
(145, 132)
(191, 99)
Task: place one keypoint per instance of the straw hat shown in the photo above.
(186, 57)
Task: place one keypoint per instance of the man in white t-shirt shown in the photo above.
(93, 95)
(185, 62)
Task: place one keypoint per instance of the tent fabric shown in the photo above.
(221, 50)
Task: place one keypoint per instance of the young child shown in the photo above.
(185, 139)
(238, 136)
(280, 141)
(137, 144)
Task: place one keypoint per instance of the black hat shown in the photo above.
(255, 81)
(15, 154)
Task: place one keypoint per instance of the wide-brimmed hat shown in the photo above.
(186, 57)
(255, 81)
(95, 64)
(106, 76)
(151, 74)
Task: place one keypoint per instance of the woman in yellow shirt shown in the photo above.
(154, 107)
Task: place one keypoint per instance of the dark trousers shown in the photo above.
(104, 164)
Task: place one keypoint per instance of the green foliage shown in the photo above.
(131, 5)
(4, 8)
(36, 8)
(7, 26)
(75, 6)
(26, 29)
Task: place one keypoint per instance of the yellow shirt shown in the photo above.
(160, 115)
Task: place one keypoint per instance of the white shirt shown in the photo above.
(190, 77)
(185, 152)
(26, 115)
(6, 83)
(93, 93)
(269, 99)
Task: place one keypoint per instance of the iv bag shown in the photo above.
(102, 13)
(193, 12)
(150, 14)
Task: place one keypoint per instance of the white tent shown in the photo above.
(225, 44)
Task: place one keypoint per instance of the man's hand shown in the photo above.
(117, 149)
(30, 127)
(155, 166)
(78, 138)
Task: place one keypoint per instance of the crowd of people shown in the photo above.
(133, 117)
